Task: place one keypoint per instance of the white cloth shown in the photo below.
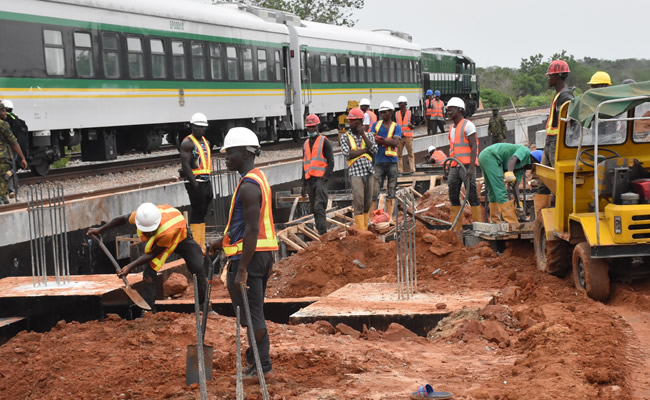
(470, 129)
(366, 119)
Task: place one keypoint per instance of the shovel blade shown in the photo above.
(192, 364)
(136, 298)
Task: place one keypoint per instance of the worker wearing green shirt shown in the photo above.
(499, 162)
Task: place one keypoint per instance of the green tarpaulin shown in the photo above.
(582, 108)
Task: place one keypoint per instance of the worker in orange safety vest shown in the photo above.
(404, 119)
(434, 112)
(369, 117)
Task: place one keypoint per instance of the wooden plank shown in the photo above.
(312, 231)
(331, 221)
(293, 246)
(303, 229)
(296, 239)
(415, 192)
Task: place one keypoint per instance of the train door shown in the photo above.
(286, 75)
(305, 77)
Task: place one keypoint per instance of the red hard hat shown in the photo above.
(558, 67)
(355, 113)
(312, 120)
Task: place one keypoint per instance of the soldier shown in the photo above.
(7, 141)
(497, 127)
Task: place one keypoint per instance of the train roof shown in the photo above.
(448, 53)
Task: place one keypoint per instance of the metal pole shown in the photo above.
(31, 236)
(42, 234)
(413, 248)
(406, 246)
(65, 236)
(240, 385)
(51, 204)
(398, 252)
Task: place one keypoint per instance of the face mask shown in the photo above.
(313, 134)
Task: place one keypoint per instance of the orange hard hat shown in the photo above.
(355, 113)
(312, 120)
(558, 67)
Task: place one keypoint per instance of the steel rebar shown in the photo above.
(31, 238)
(65, 235)
(51, 203)
(240, 385)
(41, 229)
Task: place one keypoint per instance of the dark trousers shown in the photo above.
(434, 124)
(317, 190)
(454, 180)
(259, 270)
(191, 252)
(200, 199)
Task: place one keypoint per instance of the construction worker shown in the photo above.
(497, 127)
(558, 71)
(369, 117)
(404, 119)
(387, 136)
(8, 142)
(249, 239)
(359, 148)
(196, 162)
(434, 112)
(21, 132)
(435, 156)
(600, 79)
(463, 145)
(163, 228)
(318, 164)
(498, 162)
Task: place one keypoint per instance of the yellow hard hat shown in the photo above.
(600, 78)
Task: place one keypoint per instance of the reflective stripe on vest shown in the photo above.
(390, 151)
(314, 162)
(404, 123)
(459, 148)
(434, 108)
(170, 219)
(550, 130)
(438, 157)
(205, 157)
(353, 146)
(373, 119)
(266, 240)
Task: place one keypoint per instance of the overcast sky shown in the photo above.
(502, 32)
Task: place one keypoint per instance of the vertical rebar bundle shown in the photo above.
(407, 279)
(223, 185)
(46, 216)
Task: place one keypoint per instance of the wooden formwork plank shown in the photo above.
(307, 232)
(296, 239)
(293, 246)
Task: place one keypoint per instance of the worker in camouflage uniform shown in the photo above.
(7, 141)
(497, 127)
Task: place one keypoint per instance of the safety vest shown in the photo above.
(170, 220)
(390, 151)
(403, 122)
(373, 119)
(434, 108)
(266, 240)
(353, 146)
(314, 162)
(459, 147)
(438, 157)
(205, 157)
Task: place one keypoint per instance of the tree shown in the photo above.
(337, 12)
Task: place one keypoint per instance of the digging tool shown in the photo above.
(132, 293)
(192, 362)
(199, 345)
(252, 342)
(447, 167)
(240, 383)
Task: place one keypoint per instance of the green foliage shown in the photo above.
(337, 12)
(494, 99)
(60, 163)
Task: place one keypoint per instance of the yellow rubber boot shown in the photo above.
(508, 212)
(495, 213)
(541, 201)
(358, 222)
(477, 214)
(453, 212)
(365, 220)
(198, 232)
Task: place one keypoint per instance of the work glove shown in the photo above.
(510, 177)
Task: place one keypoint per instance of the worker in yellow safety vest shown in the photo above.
(404, 119)
(163, 228)
(387, 135)
(196, 163)
(249, 239)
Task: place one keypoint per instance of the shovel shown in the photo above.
(192, 373)
(132, 293)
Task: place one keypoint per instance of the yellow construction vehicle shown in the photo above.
(600, 222)
(344, 124)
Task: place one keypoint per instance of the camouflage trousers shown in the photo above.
(4, 188)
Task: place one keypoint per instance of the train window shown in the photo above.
(323, 68)
(136, 57)
(215, 61)
(362, 70)
(54, 55)
(392, 70)
(178, 59)
(247, 56)
(111, 55)
(278, 66)
(344, 69)
(378, 69)
(369, 66)
(262, 68)
(353, 69)
(334, 69)
(384, 70)
(83, 55)
(157, 58)
(233, 70)
(198, 61)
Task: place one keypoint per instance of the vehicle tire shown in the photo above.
(551, 256)
(590, 274)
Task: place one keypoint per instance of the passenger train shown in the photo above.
(120, 74)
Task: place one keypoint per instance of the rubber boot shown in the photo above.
(477, 214)
(495, 213)
(453, 212)
(508, 212)
(198, 232)
(373, 207)
(389, 209)
(365, 219)
(541, 201)
(359, 222)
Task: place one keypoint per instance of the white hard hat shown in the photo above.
(7, 103)
(199, 119)
(147, 217)
(431, 149)
(364, 102)
(386, 105)
(402, 99)
(238, 137)
(456, 102)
